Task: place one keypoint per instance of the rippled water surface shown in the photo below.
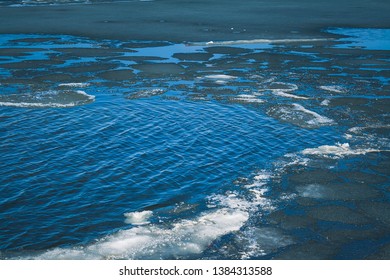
(203, 150)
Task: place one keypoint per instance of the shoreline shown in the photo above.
(178, 21)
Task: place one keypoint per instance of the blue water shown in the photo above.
(86, 166)
(367, 38)
(213, 154)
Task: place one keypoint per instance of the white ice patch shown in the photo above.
(289, 95)
(260, 200)
(337, 89)
(263, 176)
(283, 89)
(73, 85)
(255, 200)
(182, 238)
(220, 77)
(337, 151)
(138, 218)
(231, 201)
(325, 102)
(317, 118)
(251, 202)
(294, 159)
(259, 180)
(248, 98)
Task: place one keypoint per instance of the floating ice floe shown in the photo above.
(231, 201)
(247, 98)
(317, 119)
(289, 95)
(337, 89)
(299, 115)
(138, 218)
(226, 213)
(255, 199)
(338, 150)
(183, 238)
(78, 85)
(325, 102)
(47, 99)
(260, 180)
(220, 77)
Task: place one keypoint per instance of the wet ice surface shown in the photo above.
(205, 150)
